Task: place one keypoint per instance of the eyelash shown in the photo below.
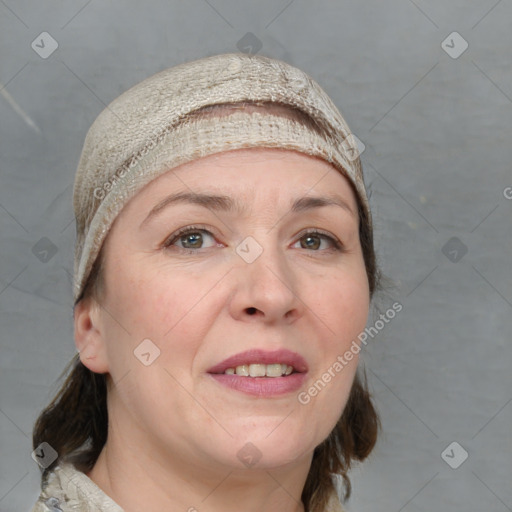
(337, 245)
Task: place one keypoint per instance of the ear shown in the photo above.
(89, 336)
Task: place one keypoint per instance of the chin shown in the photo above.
(259, 450)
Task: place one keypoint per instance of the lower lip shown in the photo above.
(261, 386)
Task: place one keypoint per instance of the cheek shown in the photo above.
(344, 301)
(150, 300)
(352, 311)
(169, 307)
(171, 301)
(349, 320)
(343, 306)
(150, 321)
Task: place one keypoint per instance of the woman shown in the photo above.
(224, 261)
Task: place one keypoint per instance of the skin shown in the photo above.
(174, 433)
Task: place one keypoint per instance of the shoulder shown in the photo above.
(70, 490)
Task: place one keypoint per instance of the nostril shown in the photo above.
(251, 311)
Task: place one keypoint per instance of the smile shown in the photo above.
(262, 373)
(260, 370)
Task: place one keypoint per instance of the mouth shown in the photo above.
(262, 363)
(260, 370)
(262, 373)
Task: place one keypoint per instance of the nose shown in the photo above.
(266, 289)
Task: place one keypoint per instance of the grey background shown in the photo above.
(437, 133)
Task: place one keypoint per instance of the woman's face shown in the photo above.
(214, 288)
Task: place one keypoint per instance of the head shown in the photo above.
(204, 282)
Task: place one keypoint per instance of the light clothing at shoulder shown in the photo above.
(70, 490)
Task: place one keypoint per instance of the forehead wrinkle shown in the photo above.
(220, 202)
(211, 201)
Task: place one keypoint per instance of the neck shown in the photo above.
(152, 479)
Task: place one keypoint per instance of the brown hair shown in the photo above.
(75, 423)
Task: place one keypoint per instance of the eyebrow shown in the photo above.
(228, 204)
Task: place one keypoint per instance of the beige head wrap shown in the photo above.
(142, 135)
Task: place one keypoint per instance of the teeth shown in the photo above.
(260, 370)
(274, 370)
(257, 370)
(243, 370)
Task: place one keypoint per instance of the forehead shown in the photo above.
(250, 172)
(255, 182)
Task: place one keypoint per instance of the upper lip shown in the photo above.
(256, 356)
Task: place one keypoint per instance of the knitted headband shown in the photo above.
(142, 134)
